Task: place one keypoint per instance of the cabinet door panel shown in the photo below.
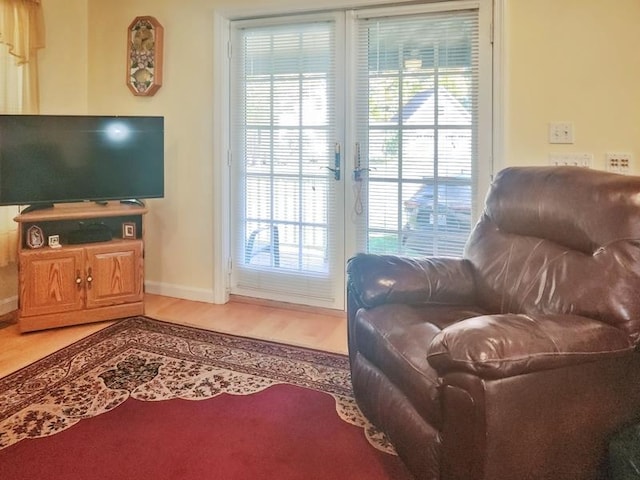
(114, 273)
(51, 282)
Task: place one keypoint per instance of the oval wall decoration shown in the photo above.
(144, 56)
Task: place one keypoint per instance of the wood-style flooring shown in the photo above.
(306, 327)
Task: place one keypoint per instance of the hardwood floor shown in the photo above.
(312, 328)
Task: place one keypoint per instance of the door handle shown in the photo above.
(89, 278)
(336, 163)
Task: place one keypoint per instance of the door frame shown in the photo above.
(221, 147)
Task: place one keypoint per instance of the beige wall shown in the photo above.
(179, 228)
(578, 61)
(565, 60)
(63, 63)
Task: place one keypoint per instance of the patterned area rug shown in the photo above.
(151, 360)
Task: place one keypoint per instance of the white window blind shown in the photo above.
(284, 138)
(417, 119)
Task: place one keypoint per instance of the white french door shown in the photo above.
(355, 131)
(287, 144)
(418, 120)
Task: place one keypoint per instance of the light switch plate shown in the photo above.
(571, 159)
(561, 132)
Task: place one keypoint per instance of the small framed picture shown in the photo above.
(54, 241)
(35, 237)
(128, 230)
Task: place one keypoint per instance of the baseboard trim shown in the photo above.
(179, 291)
(286, 305)
(8, 305)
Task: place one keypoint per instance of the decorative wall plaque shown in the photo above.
(144, 56)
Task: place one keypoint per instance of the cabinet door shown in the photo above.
(114, 273)
(51, 281)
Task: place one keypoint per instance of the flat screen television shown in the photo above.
(47, 159)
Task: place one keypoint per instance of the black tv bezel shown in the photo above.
(47, 203)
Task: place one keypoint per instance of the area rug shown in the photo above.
(146, 399)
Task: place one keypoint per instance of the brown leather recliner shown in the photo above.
(517, 361)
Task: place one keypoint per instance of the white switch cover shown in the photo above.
(571, 159)
(561, 132)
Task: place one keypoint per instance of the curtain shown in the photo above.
(21, 35)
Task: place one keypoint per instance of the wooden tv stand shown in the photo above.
(83, 282)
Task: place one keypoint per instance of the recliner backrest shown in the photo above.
(560, 240)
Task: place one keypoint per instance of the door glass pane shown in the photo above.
(417, 124)
(284, 140)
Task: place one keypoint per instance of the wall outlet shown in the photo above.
(561, 132)
(619, 162)
(571, 159)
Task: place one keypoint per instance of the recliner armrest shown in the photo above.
(378, 279)
(499, 346)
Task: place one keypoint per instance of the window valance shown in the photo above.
(22, 27)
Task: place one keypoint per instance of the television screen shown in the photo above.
(48, 159)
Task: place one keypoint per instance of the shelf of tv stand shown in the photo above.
(80, 211)
(80, 283)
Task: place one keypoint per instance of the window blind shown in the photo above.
(284, 146)
(417, 118)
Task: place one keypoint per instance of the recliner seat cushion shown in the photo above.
(395, 338)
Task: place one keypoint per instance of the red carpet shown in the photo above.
(148, 400)
(284, 432)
